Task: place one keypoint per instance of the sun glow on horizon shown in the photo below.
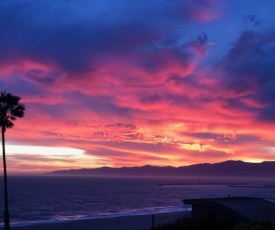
(253, 160)
(44, 150)
(21, 157)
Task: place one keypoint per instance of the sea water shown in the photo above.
(36, 199)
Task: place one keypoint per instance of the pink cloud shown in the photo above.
(132, 92)
(205, 10)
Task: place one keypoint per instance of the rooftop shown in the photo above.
(248, 207)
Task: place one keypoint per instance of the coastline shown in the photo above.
(131, 222)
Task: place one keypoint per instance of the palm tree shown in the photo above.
(10, 109)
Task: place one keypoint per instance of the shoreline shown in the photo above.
(131, 222)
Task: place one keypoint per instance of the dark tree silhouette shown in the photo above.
(10, 109)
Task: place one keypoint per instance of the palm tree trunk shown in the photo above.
(6, 214)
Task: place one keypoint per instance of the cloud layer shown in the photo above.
(154, 82)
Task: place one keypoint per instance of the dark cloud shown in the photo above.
(199, 44)
(204, 135)
(235, 104)
(249, 63)
(25, 88)
(231, 138)
(250, 70)
(158, 58)
(252, 19)
(73, 35)
(202, 10)
(38, 32)
(152, 98)
(190, 80)
(74, 47)
(121, 125)
(268, 113)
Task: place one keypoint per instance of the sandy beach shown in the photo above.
(136, 222)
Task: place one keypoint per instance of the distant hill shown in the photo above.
(227, 168)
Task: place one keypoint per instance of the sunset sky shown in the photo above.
(128, 83)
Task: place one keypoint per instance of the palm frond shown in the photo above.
(10, 109)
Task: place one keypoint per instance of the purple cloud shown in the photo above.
(250, 69)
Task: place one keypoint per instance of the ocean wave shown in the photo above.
(132, 212)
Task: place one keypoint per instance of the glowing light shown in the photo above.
(43, 150)
(192, 147)
(253, 160)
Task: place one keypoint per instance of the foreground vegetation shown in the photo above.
(189, 224)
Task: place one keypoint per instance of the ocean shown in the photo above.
(37, 199)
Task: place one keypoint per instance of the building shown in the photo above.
(232, 209)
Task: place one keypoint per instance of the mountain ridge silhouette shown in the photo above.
(226, 168)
